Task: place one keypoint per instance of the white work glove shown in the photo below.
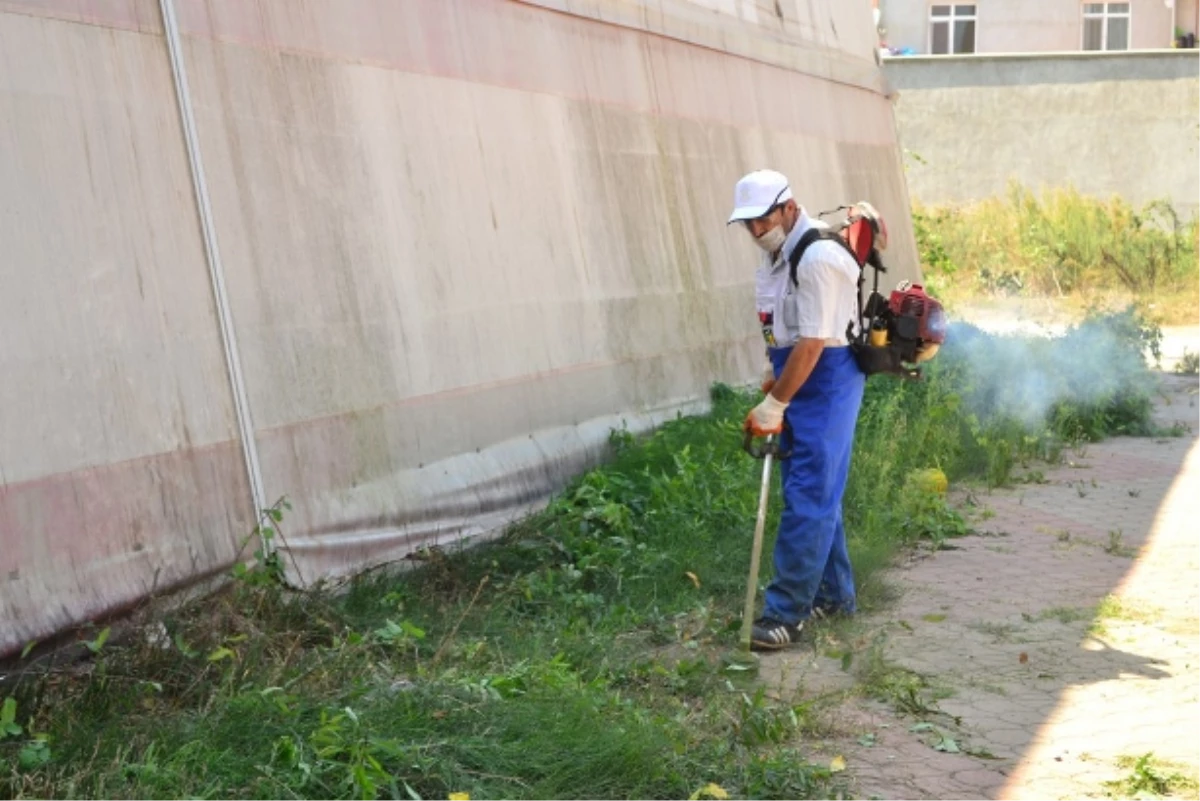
(766, 418)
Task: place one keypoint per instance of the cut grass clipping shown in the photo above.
(576, 656)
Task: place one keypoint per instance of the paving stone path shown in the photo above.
(1056, 644)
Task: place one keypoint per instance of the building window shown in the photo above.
(952, 29)
(1106, 26)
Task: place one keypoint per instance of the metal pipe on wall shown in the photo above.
(213, 255)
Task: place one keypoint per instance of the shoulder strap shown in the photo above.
(810, 236)
(813, 235)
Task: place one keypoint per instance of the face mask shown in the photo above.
(772, 240)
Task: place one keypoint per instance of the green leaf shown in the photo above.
(95, 645)
(28, 647)
(8, 712)
(33, 755)
(867, 740)
(919, 727)
(275, 514)
(220, 653)
(183, 647)
(947, 745)
(411, 630)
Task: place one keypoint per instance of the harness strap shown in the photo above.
(813, 235)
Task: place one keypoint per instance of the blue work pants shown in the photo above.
(812, 565)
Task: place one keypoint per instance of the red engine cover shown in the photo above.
(861, 238)
(913, 302)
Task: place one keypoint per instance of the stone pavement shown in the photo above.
(1060, 641)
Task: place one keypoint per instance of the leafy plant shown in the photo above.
(268, 567)
(95, 645)
(1188, 364)
(398, 634)
(8, 719)
(1148, 776)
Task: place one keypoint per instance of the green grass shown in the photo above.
(1113, 607)
(1000, 631)
(1068, 614)
(1149, 777)
(573, 657)
(1064, 245)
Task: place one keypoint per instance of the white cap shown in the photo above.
(757, 193)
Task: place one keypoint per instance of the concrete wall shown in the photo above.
(120, 470)
(1108, 124)
(1035, 26)
(461, 239)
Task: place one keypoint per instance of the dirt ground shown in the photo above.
(1041, 656)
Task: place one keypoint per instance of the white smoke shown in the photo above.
(1024, 376)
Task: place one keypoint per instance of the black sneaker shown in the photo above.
(771, 635)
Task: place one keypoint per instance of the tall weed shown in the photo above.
(1060, 244)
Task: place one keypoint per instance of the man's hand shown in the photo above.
(766, 418)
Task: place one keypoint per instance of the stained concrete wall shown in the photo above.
(1036, 26)
(1108, 124)
(120, 470)
(462, 239)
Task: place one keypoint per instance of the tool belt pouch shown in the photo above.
(874, 359)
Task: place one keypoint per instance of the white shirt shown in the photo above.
(824, 300)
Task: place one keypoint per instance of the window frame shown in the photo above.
(949, 21)
(1104, 16)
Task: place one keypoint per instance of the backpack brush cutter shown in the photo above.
(894, 334)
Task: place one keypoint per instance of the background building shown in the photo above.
(1035, 26)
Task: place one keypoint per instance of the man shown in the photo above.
(814, 384)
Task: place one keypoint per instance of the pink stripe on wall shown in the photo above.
(522, 47)
(86, 516)
(77, 545)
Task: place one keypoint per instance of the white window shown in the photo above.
(1106, 26)
(951, 29)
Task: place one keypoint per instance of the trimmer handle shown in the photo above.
(769, 447)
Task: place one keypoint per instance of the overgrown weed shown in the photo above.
(1065, 245)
